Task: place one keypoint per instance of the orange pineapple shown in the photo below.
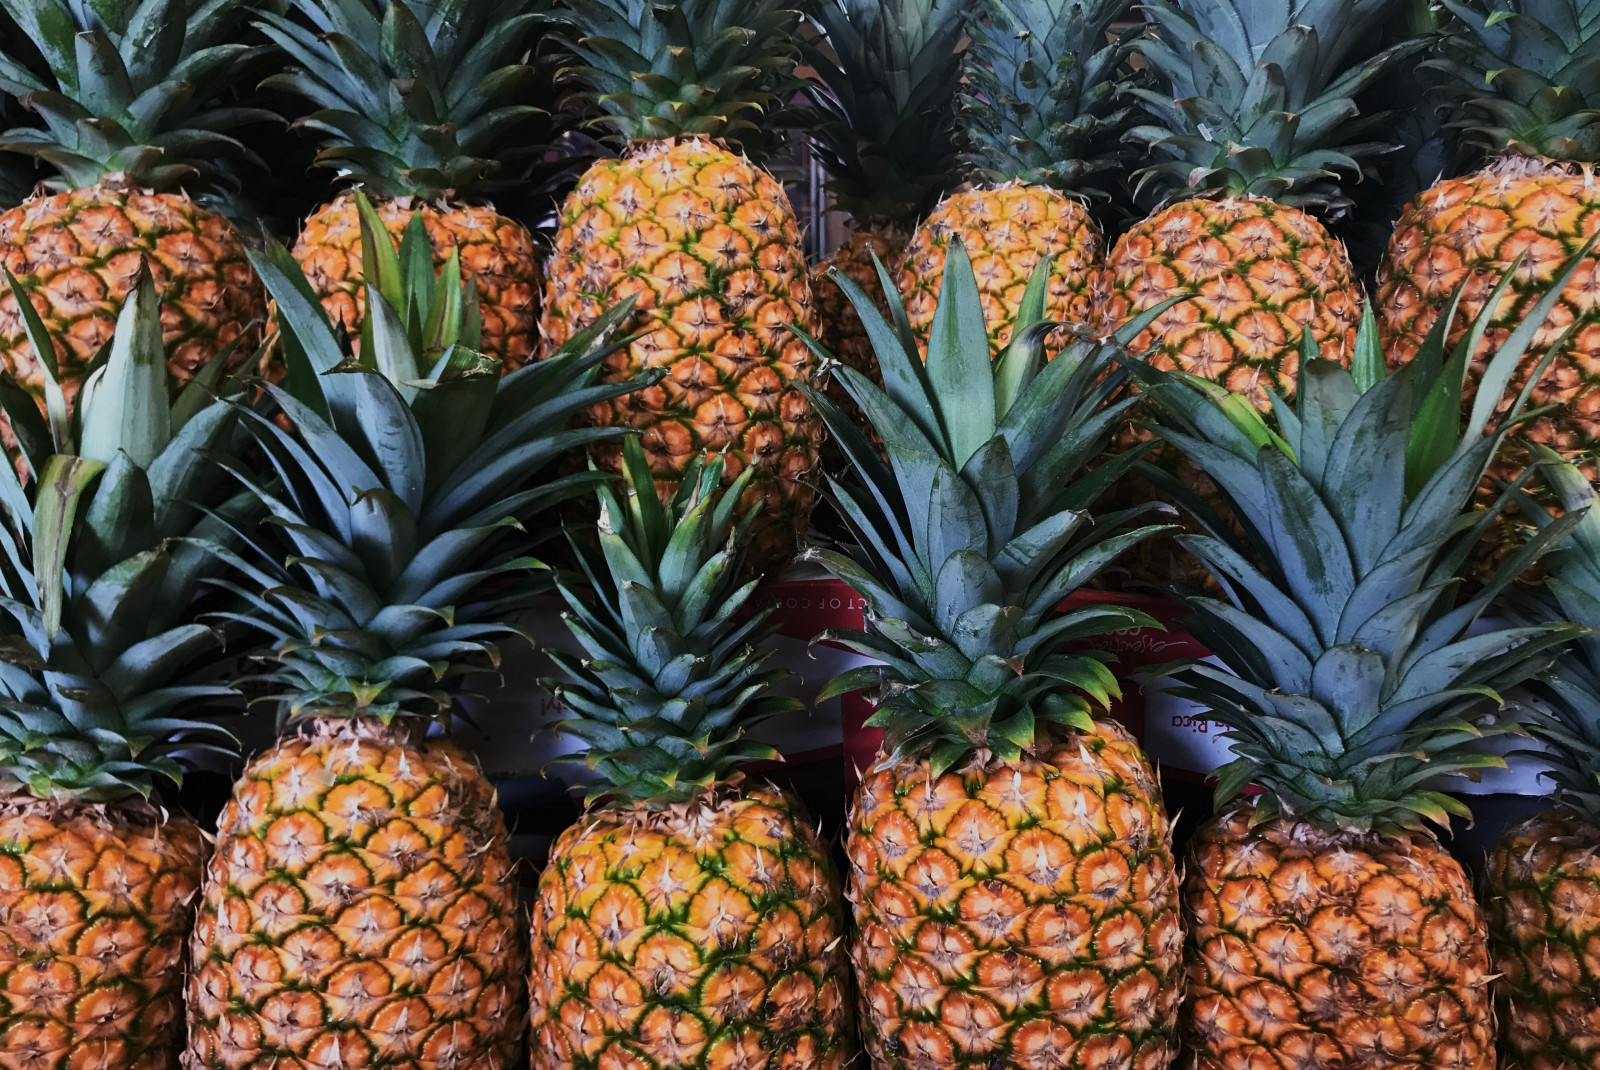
(97, 878)
(360, 908)
(1327, 924)
(1236, 170)
(707, 244)
(118, 196)
(1543, 874)
(1526, 94)
(1041, 119)
(1011, 866)
(399, 126)
(688, 919)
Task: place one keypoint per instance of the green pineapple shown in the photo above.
(679, 869)
(401, 486)
(1327, 922)
(1002, 816)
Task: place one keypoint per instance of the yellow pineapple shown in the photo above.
(883, 126)
(1011, 868)
(1327, 924)
(97, 877)
(1042, 118)
(1237, 169)
(1526, 93)
(132, 122)
(706, 243)
(418, 105)
(360, 907)
(689, 918)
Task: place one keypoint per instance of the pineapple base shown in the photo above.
(359, 910)
(1020, 915)
(78, 254)
(97, 902)
(498, 253)
(1544, 918)
(1006, 230)
(709, 246)
(705, 935)
(1310, 949)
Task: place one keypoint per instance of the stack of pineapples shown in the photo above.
(342, 458)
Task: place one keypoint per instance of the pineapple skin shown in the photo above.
(1543, 901)
(97, 902)
(361, 880)
(1259, 273)
(706, 935)
(710, 246)
(1019, 915)
(78, 254)
(497, 252)
(1309, 948)
(1006, 229)
(1469, 230)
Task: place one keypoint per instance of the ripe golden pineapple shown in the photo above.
(415, 99)
(97, 878)
(1322, 947)
(1011, 866)
(688, 919)
(360, 908)
(1327, 924)
(496, 253)
(1543, 874)
(1237, 168)
(132, 123)
(1042, 118)
(706, 243)
(883, 126)
(1526, 94)
(1024, 907)
(360, 878)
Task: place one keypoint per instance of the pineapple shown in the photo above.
(689, 918)
(884, 128)
(1327, 924)
(1011, 868)
(360, 904)
(1528, 93)
(1253, 126)
(417, 102)
(1544, 872)
(104, 534)
(131, 119)
(704, 240)
(1042, 118)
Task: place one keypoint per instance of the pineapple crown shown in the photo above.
(1525, 76)
(131, 89)
(1259, 95)
(671, 676)
(415, 99)
(1567, 716)
(107, 538)
(968, 539)
(401, 485)
(682, 68)
(1043, 101)
(1354, 662)
(883, 123)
